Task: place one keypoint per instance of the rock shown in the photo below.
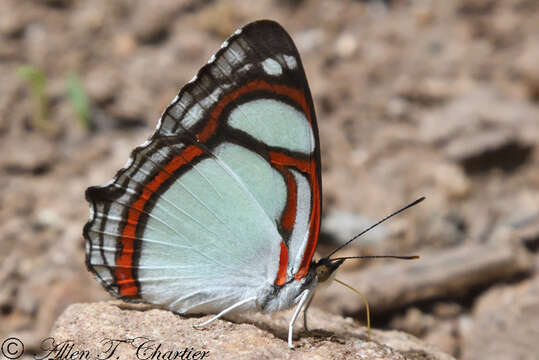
(36, 156)
(451, 180)
(415, 322)
(151, 21)
(527, 67)
(444, 336)
(451, 272)
(346, 45)
(442, 230)
(59, 3)
(439, 330)
(102, 84)
(447, 310)
(484, 150)
(527, 230)
(246, 337)
(343, 226)
(428, 92)
(13, 18)
(478, 121)
(504, 324)
(476, 7)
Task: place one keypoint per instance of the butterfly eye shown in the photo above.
(323, 272)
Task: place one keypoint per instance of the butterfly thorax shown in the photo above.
(275, 298)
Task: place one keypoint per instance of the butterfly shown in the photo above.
(219, 210)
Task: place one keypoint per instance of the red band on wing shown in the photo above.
(124, 270)
(283, 262)
(287, 222)
(308, 167)
(289, 213)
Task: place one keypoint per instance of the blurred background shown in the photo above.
(433, 98)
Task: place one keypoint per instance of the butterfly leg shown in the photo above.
(311, 296)
(306, 295)
(227, 310)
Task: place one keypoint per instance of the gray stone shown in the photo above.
(504, 324)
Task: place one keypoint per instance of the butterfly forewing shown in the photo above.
(224, 198)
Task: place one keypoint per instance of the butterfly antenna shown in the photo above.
(367, 311)
(378, 223)
(412, 257)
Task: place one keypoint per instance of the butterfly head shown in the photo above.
(325, 268)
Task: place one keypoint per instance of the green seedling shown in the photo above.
(79, 100)
(38, 82)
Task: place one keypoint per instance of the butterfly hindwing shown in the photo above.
(224, 198)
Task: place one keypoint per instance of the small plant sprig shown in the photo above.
(38, 83)
(79, 100)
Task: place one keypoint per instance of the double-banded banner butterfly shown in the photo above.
(220, 209)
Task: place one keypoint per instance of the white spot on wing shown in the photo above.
(212, 59)
(290, 62)
(196, 112)
(210, 99)
(224, 44)
(245, 68)
(272, 67)
(193, 116)
(237, 32)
